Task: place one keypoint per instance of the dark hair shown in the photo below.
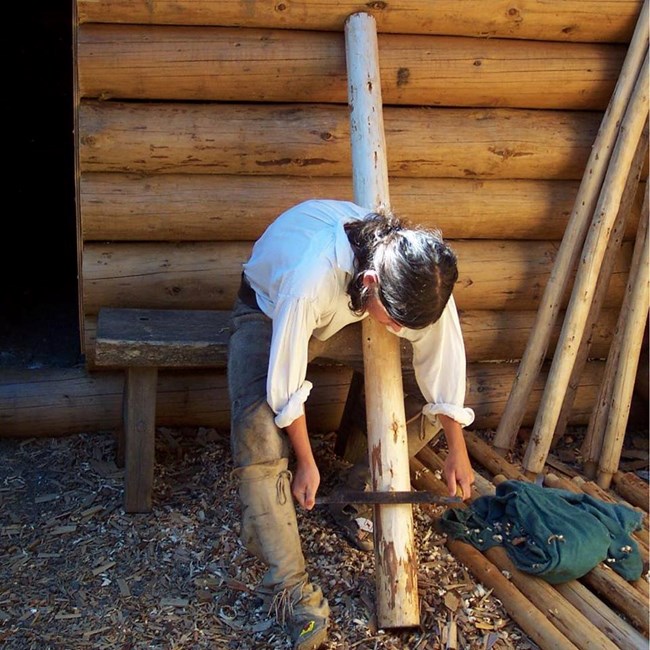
(416, 269)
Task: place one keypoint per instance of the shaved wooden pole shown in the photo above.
(634, 315)
(609, 260)
(587, 275)
(395, 560)
(573, 239)
(624, 597)
(593, 442)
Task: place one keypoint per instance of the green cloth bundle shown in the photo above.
(554, 534)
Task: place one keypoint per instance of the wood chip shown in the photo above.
(77, 571)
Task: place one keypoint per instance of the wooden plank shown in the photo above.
(201, 207)
(554, 20)
(230, 64)
(175, 338)
(312, 140)
(494, 275)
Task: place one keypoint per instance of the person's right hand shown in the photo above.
(304, 486)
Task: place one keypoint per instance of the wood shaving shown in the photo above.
(77, 572)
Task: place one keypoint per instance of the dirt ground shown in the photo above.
(76, 572)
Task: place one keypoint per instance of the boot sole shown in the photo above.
(311, 640)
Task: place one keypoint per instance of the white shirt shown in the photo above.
(299, 269)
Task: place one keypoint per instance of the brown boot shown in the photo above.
(269, 530)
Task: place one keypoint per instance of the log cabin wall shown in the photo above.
(198, 121)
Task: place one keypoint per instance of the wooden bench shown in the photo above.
(141, 341)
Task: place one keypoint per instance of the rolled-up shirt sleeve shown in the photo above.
(440, 367)
(287, 387)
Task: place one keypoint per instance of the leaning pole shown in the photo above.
(395, 559)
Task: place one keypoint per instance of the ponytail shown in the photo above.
(416, 269)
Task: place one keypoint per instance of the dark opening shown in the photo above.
(39, 308)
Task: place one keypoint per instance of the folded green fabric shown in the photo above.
(554, 534)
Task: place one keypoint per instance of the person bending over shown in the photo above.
(319, 267)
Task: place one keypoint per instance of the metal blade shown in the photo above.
(367, 497)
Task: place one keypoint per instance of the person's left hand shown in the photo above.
(458, 473)
(304, 486)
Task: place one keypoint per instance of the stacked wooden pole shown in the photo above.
(396, 570)
(570, 615)
(599, 199)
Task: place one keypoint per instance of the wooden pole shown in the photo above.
(613, 245)
(530, 617)
(577, 623)
(634, 315)
(632, 488)
(395, 560)
(587, 275)
(573, 239)
(592, 445)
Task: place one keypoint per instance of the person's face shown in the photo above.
(374, 306)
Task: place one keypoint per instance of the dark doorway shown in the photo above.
(38, 309)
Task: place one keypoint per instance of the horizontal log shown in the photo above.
(60, 401)
(616, 590)
(632, 488)
(53, 402)
(553, 20)
(314, 140)
(488, 335)
(253, 65)
(489, 385)
(615, 627)
(200, 207)
(493, 275)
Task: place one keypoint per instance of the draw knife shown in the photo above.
(385, 498)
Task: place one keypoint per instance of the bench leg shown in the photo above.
(139, 430)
